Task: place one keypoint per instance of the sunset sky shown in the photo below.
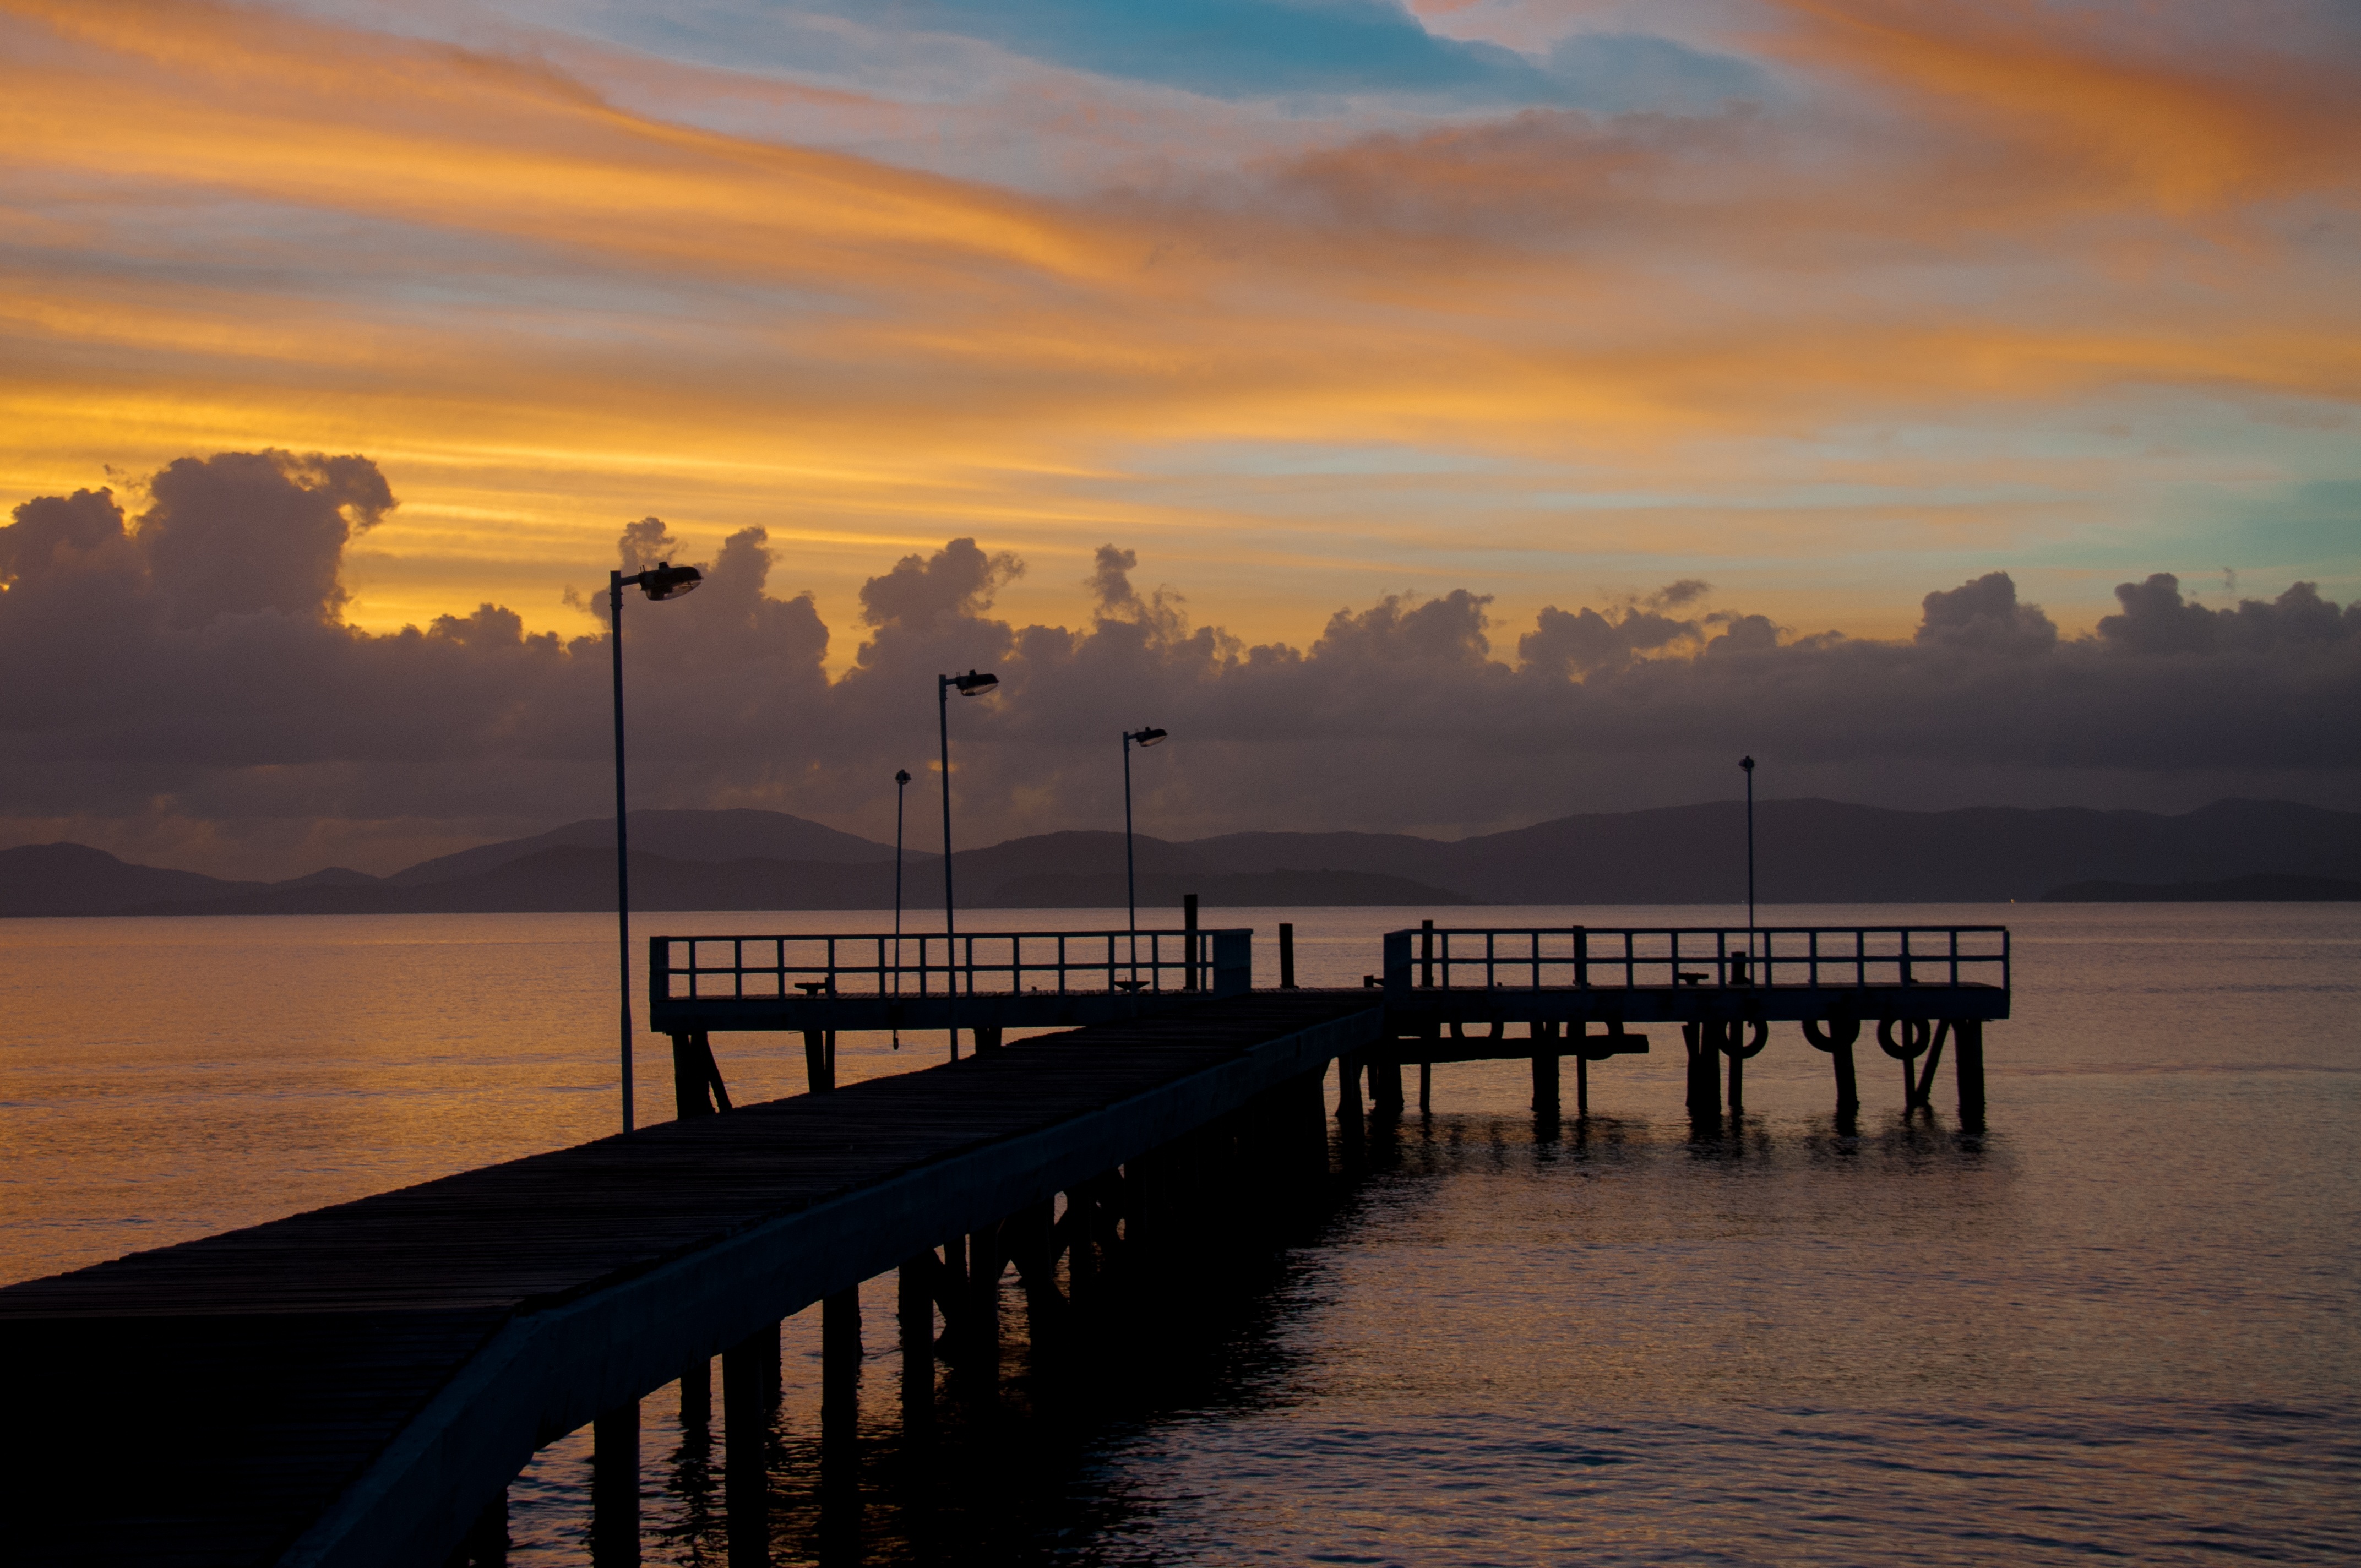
(1306, 303)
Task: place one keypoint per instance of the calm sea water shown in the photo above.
(2121, 1324)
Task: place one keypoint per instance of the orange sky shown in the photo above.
(1831, 303)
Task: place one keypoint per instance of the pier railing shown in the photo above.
(1716, 957)
(994, 964)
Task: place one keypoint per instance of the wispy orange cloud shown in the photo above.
(532, 304)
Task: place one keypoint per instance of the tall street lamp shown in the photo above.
(1141, 737)
(974, 683)
(1747, 764)
(662, 581)
(901, 796)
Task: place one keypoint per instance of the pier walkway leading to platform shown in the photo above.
(355, 1385)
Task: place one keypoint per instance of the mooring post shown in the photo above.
(615, 1486)
(1545, 1042)
(1189, 941)
(817, 1079)
(1847, 1089)
(1968, 1064)
(1287, 955)
(1426, 1086)
(913, 1303)
(1426, 953)
(1581, 1076)
(1732, 1041)
(987, 1036)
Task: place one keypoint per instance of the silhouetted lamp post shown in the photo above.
(974, 683)
(662, 581)
(1141, 737)
(901, 796)
(1747, 765)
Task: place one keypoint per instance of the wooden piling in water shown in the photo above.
(615, 1487)
(1733, 1045)
(915, 1316)
(820, 1073)
(748, 1371)
(1546, 1069)
(1968, 1066)
(1287, 955)
(1705, 1071)
(697, 1393)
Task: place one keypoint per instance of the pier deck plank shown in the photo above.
(206, 1403)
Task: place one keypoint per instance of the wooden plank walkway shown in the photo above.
(352, 1384)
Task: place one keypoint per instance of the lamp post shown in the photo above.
(1142, 737)
(662, 581)
(1747, 765)
(974, 683)
(901, 796)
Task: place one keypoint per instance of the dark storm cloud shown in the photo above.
(187, 672)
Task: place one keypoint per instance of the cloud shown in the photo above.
(248, 730)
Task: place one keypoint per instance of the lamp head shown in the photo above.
(1144, 737)
(666, 581)
(975, 683)
(1746, 762)
(901, 775)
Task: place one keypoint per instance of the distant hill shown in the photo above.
(2265, 888)
(1283, 888)
(1808, 852)
(716, 836)
(68, 879)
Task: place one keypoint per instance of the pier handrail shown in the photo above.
(776, 965)
(1721, 958)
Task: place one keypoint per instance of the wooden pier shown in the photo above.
(357, 1384)
(352, 1386)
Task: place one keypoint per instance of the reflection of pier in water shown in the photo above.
(357, 1385)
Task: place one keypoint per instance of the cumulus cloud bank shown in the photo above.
(184, 688)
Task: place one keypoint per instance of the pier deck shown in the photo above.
(353, 1385)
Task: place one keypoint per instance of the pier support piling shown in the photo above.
(915, 1315)
(1705, 1071)
(749, 1374)
(1967, 1066)
(697, 1393)
(819, 1062)
(1545, 1068)
(615, 1487)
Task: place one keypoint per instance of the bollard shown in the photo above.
(1287, 955)
(1188, 942)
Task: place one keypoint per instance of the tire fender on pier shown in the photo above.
(1917, 1033)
